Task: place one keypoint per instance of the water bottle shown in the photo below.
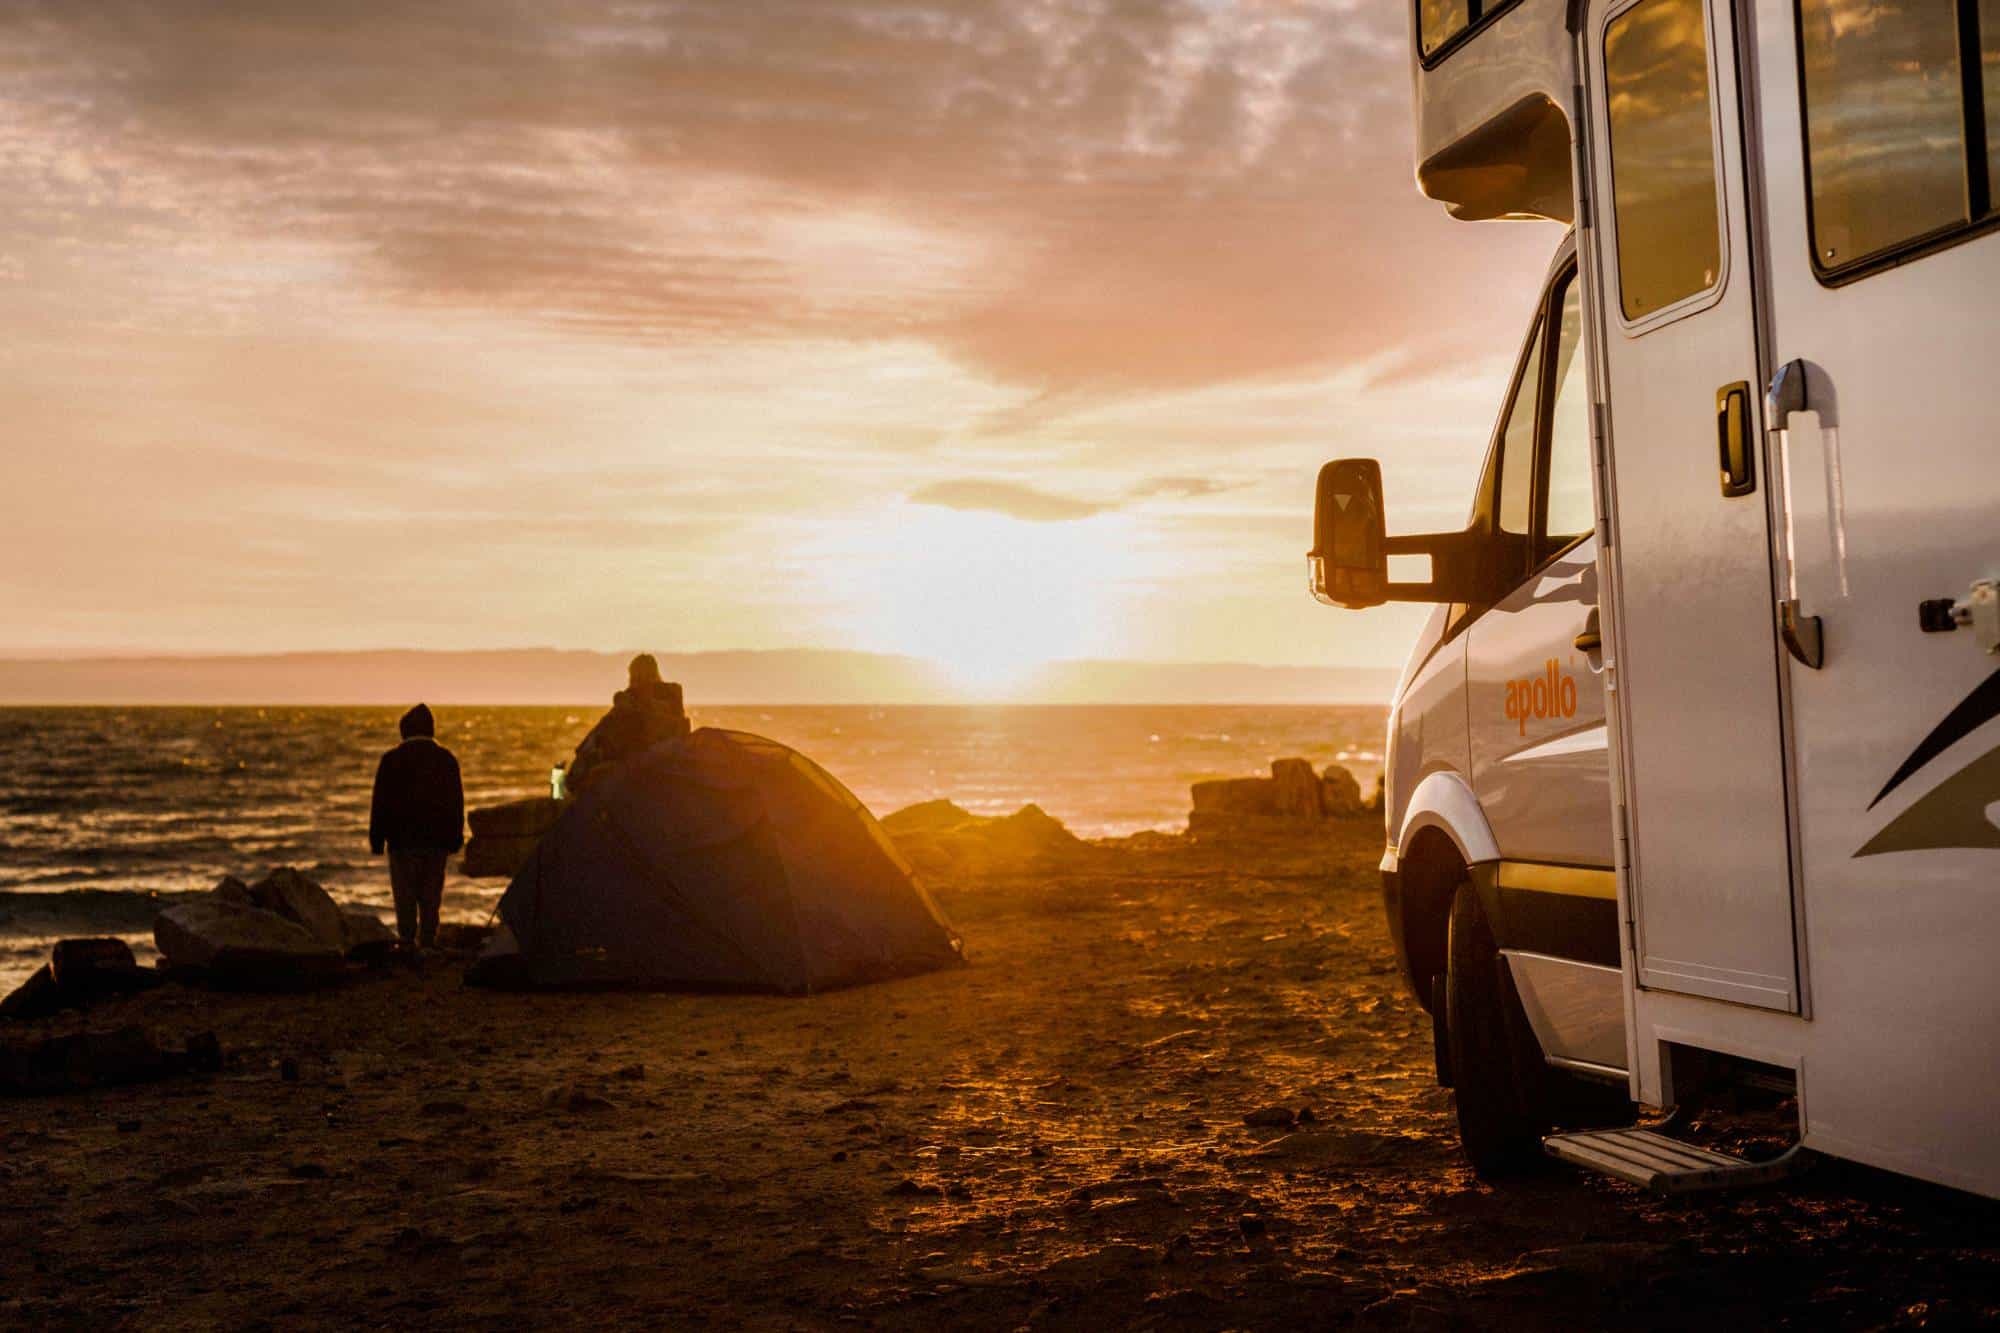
(559, 783)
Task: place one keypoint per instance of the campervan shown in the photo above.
(1693, 776)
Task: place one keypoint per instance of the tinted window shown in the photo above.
(1885, 123)
(1662, 154)
(1989, 63)
(1571, 513)
(1517, 444)
(1442, 20)
(1438, 21)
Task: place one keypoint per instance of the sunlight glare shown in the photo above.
(992, 598)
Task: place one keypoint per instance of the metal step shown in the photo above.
(1666, 1166)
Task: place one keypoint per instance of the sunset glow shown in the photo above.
(374, 326)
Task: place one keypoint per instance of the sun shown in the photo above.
(991, 598)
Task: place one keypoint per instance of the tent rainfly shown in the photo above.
(725, 861)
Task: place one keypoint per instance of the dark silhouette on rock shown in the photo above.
(418, 815)
(647, 711)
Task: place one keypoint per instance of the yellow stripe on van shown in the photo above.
(1570, 881)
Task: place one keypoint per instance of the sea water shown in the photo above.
(107, 813)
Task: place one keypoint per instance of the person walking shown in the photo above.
(418, 815)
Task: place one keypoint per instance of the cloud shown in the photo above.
(1004, 497)
(1061, 194)
(1187, 488)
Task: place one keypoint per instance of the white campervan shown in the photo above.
(1693, 774)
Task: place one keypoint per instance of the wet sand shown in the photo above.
(1051, 1137)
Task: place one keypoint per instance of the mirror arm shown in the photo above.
(1454, 567)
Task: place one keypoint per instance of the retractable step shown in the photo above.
(1666, 1166)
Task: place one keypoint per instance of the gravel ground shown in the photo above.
(1053, 1136)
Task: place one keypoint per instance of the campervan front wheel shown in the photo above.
(1492, 1076)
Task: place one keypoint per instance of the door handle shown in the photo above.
(1732, 439)
(1590, 641)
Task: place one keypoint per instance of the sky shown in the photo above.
(983, 332)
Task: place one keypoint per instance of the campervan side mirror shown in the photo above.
(1348, 565)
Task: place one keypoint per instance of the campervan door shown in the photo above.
(1796, 270)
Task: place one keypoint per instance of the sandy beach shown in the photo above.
(1053, 1136)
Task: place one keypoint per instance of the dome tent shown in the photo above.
(722, 860)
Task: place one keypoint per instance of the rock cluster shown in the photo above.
(284, 931)
(1293, 793)
(940, 837)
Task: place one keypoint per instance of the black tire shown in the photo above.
(1497, 1084)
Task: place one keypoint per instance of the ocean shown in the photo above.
(106, 812)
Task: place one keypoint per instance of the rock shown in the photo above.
(1270, 1117)
(80, 972)
(360, 930)
(463, 937)
(37, 997)
(71, 958)
(243, 945)
(939, 836)
(908, 1188)
(527, 818)
(1235, 796)
(1295, 788)
(84, 1060)
(575, 1097)
(490, 857)
(233, 890)
(1340, 794)
(927, 817)
(291, 895)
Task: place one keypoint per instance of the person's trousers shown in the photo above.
(417, 881)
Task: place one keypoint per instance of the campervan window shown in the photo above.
(1442, 23)
(1517, 443)
(1663, 189)
(1571, 512)
(1901, 110)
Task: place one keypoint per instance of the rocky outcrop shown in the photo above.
(504, 836)
(282, 932)
(79, 973)
(247, 944)
(1290, 800)
(941, 838)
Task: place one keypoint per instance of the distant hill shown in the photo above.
(554, 676)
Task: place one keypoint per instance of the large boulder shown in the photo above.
(493, 856)
(362, 930)
(526, 818)
(1340, 794)
(939, 837)
(1235, 796)
(292, 896)
(1295, 788)
(246, 945)
(79, 973)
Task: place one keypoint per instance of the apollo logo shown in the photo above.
(1552, 694)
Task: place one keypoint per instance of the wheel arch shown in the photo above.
(1444, 834)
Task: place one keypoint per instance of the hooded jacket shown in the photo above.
(419, 803)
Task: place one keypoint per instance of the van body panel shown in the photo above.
(1892, 498)
(1515, 69)
(1696, 641)
(1573, 1007)
(1536, 706)
(1807, 852)
(1427, 729)
(1445, 802)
